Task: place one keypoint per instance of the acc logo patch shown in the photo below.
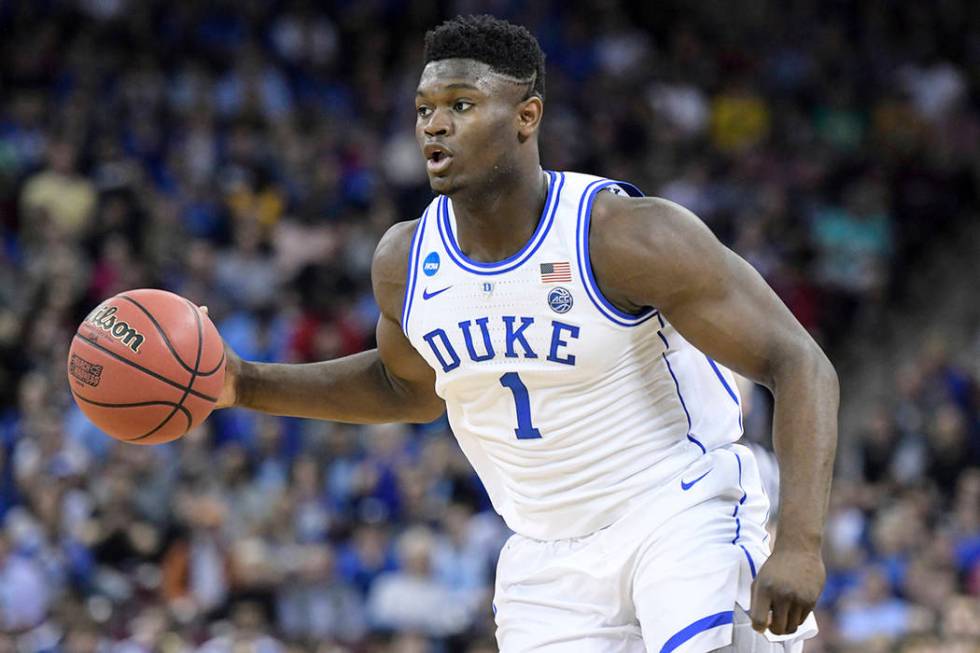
(431, 264)
(560, 300)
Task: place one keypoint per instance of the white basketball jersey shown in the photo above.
(568, 408)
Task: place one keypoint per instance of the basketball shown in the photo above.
(146, 366)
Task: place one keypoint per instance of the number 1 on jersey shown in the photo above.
(525, 430)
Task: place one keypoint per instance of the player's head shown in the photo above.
(479, 102)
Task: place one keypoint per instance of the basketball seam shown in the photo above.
(190, 384)
(216, 367)
(149, 372)
(138, 404)
(159, 328)
(166, 339)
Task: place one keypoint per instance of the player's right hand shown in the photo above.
(233, 367)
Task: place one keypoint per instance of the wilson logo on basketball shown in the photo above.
(105, 318)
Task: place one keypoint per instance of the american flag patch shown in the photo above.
(556, 272)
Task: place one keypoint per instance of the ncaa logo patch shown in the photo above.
(431, 264)
(560, 300)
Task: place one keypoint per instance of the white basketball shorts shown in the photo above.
(673, 574)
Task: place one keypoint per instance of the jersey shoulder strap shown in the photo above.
(411, 274)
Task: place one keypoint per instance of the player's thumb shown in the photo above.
(761, 605)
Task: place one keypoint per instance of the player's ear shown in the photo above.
(529, 113)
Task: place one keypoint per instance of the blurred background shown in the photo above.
(250, 154)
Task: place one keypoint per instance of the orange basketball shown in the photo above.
(146, 367)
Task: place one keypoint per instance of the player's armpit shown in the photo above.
(409, 376)
(652, 252)
(403, 367)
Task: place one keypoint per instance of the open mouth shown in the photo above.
(437, 157)
(438, 161)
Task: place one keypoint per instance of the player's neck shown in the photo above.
(497, 222)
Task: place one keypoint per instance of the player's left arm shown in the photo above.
(652, 252)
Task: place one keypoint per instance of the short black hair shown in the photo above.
(507, 48)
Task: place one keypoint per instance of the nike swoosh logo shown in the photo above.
(688, 486)
(429, 295)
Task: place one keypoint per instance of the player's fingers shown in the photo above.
(203, 309)
(793, 618)
(805, 613)
(780, 612)
(760, 608)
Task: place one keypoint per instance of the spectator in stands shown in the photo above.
(413, 598)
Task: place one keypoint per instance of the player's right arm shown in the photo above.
(392, 383)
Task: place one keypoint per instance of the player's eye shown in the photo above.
(461, 105)
(423, 112)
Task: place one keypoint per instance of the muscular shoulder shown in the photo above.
(389, 267)
(645, 250)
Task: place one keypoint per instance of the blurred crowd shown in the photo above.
(248, 155)
(903, 538)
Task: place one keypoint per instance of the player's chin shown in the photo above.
(443, 184)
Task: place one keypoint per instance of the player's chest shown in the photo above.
(462, 324)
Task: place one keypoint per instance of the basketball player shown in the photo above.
(580, 337)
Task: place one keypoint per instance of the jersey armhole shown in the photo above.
(602, 304)
(411, 274)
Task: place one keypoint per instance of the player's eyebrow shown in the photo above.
(450, 87)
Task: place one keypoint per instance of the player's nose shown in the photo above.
(440, 124)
